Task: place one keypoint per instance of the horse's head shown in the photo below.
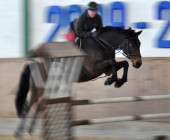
(131, 47)
(126, 39)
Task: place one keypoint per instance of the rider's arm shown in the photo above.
(79, 28)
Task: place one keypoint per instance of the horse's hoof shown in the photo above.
(17, 135)
(108, 82)
(118, 83)
(29, 130)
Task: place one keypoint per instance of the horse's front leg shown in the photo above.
(121, 81)
(114, 78)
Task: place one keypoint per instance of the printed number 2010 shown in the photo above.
(164, 6)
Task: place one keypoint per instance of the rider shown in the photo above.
(87, 21)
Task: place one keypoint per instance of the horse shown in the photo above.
(100, 60)
(101, 54)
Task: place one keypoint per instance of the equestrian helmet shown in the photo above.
(92, 6)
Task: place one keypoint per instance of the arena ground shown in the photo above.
(136, 130)
(151, 79)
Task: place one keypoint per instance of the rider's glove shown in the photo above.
(94, 34)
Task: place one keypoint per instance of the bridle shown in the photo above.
(126, 45)
(128, 55)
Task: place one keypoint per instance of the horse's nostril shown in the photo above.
(138, 64)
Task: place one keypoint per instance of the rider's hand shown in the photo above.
(94, 34)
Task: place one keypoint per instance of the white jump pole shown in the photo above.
(120, 99)
(120, 119)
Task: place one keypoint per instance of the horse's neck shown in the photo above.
(96, 50)
(114, 39)
(92, 48)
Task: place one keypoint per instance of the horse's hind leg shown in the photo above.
(34, 94)
(37, 110)
(35, 97)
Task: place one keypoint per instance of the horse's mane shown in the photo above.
(128, 32)
(110, 28)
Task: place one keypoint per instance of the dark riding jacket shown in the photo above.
(84, 25)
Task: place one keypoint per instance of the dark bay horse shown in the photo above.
(100, 59)
(101, 54)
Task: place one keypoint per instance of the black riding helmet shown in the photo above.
(92, 6)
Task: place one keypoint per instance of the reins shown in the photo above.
(102, 42)
(128, 55)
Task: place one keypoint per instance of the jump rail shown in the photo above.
(58, 93)
(120, 99)
(120, 119)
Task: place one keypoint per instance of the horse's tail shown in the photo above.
(20, 100)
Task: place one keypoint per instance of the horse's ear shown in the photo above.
(138, 33)
(130, 28)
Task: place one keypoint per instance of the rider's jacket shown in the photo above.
(84, 25)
